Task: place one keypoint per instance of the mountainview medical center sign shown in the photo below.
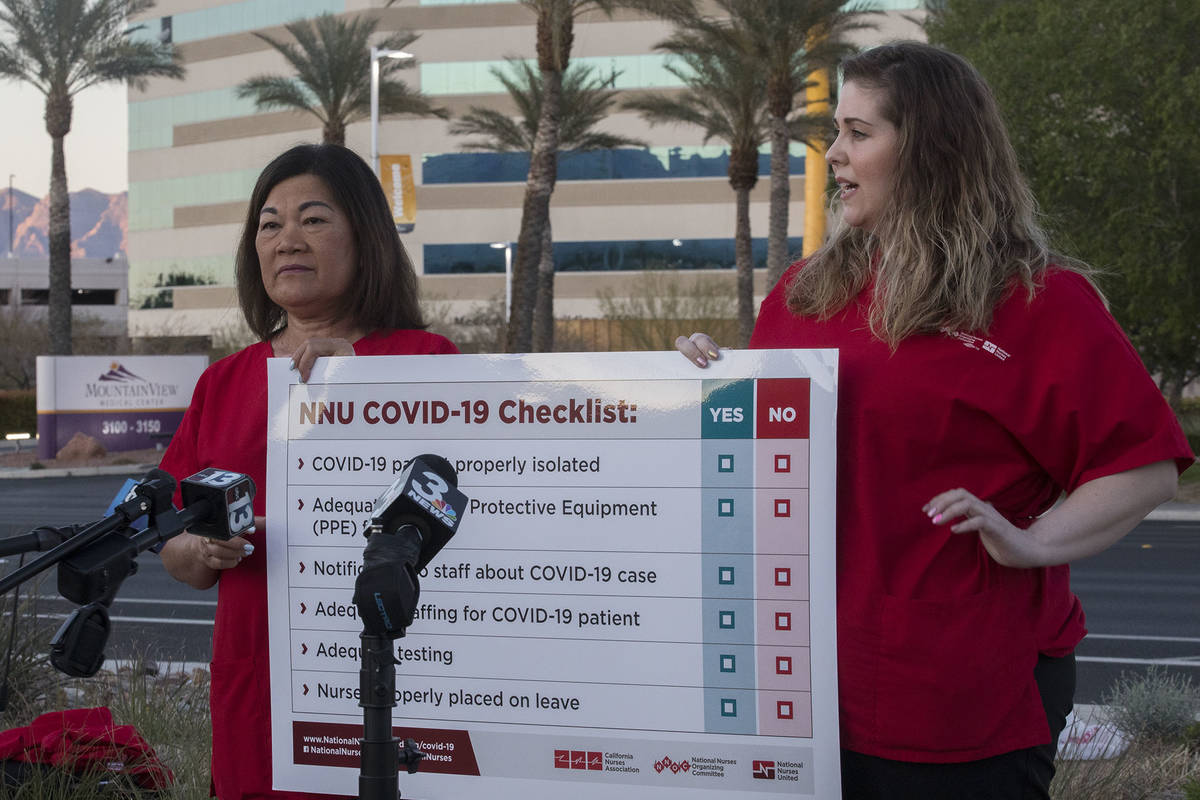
(125, 402)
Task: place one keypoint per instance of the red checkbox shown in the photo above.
(783, 709)
(783, 576)
(783, 508)
(783, 463)
(783, 665)
(783, 621)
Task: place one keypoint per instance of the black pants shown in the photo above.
(1019, 775)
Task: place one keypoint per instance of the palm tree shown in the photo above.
(788, 40)
(555, 36)
(725, 96)
(585, 102)
(332, 61)
(62, 47)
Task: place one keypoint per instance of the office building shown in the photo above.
(195, 150)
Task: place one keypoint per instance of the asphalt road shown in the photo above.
(1140, 596)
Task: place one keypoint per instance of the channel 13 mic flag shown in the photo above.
(396, 175)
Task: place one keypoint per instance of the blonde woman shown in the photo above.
(981, 380)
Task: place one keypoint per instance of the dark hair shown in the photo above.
(384, 288)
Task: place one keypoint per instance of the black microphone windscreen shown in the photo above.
(426, 496)
(441, 466)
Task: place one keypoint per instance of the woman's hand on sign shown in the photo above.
(698, 348)
(306, 355)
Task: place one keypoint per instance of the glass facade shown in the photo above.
(152, 122)
(475, 77)
(619, 164)
(152, 203)
(442, 259)
(230, 18)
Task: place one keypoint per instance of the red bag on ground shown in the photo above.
(85, 741)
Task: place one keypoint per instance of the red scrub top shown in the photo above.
(936, 641)
(226, 426)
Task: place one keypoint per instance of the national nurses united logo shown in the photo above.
(118, 372)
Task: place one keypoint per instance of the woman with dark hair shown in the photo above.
(320, 272)
(994, 424)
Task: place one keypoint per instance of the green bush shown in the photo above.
(1154, 706)
(18, 411)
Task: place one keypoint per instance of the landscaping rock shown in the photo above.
(81, 448)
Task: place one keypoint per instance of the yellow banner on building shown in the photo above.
(396, 175)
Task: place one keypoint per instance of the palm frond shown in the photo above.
(500, 133)
(64, 46)
(331, 59)
(278, 92)
(585, 103)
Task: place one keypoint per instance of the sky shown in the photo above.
(95, 148)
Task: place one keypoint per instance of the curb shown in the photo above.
(1175, 512)
(14, 473)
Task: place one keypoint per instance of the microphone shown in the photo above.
(222, 502)
(410, 523)
(217, 503)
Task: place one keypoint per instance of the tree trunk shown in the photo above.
(745, 267)
(535, 216)
(777, 230)
(334, 132)
(58, 124)
(543, 312)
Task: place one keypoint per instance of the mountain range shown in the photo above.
(99, 223)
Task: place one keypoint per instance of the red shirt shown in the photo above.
(226, 426)
(936, 641)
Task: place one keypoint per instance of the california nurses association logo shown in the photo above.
(579, 759)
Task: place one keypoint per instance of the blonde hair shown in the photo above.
(961, 230)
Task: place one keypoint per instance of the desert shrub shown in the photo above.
(1156, 705)
(18, 410)
(661, 307)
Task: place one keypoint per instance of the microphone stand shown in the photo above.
(382, 754)
(93, 561)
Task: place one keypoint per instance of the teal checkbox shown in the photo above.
(728, 663)
(725, 462)
(725, 576)
(728, 707)
(725, 507)
(725, 620)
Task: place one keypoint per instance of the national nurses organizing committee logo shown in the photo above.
(666, 764)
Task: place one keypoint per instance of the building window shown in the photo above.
(5, 296)
(94, 297)
(79, 297)
(656, 254)
(595, 165)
